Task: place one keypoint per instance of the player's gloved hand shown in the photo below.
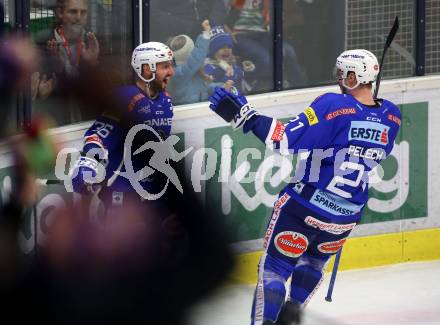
(84, 175)
(231, 107)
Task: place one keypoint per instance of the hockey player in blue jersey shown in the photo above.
(341, 138)
(145, 108)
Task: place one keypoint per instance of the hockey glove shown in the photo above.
(84, 175)
(234, 109)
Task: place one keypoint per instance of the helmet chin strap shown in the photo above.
(147, 80)
(147, 83)
(350, 88)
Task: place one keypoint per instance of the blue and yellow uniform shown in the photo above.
(339, 141)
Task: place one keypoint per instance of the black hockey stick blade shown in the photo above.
(388, 42)
(43, 182)
(393, 32)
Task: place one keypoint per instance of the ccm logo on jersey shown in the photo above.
(291, 243)
(311, 116)
(331, 247)
(369, 132)
(278, 132)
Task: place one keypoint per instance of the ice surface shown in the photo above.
(407, 293)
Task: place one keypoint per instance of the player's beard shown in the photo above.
(156, 86)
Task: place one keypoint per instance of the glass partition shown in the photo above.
(368, 24)
(9, 102)
(432, 37)
(71, 35)
(235, 50)
(313, 36)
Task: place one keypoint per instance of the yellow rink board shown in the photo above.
(362, 252)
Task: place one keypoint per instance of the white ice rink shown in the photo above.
(406, 293)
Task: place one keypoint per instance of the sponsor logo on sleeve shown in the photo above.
(311, 116)
(95, 139)
(339, 112)
(394, 118)
(331, 247)
(278, 132)
(332, 228)
(291, 244)
(367, 131)
(134, 100)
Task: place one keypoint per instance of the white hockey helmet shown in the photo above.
(150, 53)
(363, 63)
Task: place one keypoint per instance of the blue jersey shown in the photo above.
(108, 134)
(219, 74)
(339, 141)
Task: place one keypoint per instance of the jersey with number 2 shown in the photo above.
(339, 141)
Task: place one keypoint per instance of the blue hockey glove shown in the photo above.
(84, 175)
(230, 107)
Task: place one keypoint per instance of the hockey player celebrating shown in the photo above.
(144, 107)
(344, 137)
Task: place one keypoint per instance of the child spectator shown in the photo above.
(189, 84)
(221, 66)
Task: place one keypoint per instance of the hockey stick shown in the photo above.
(42, 181)
(333, 278)
(390, 38)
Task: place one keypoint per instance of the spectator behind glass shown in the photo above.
(65, 48)
(175, 17)
(190, 84)
(249, 21)
(221, 64)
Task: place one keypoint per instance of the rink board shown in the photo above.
(362, 252)
(406, 201)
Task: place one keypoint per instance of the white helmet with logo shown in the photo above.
(150, 53)
(363, 63)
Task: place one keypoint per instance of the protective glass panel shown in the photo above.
(432, 37)
(73, 35)
(8, 100)
(368, 24)
(238, 51)
(313, 35)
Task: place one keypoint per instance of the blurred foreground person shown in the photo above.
(142, 261)
(18, 59)
(141, 264)
(33, 154)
